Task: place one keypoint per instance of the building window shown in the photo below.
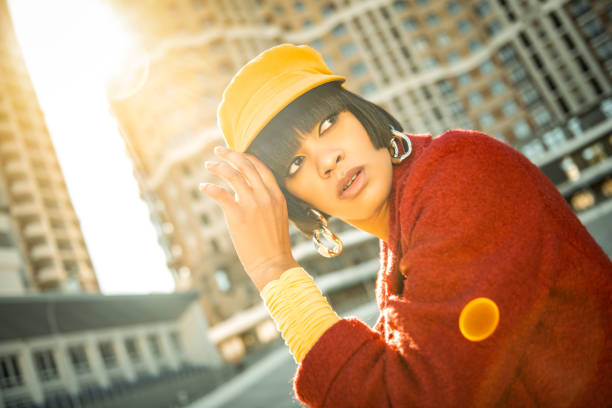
(5, 239)
(465, 78)
(521, 129)
(506, 54)
(464, 26)
(328, 61)
(410, 23)
(107, 352)
(358, 69)
(475, 98)
(517, 74)
(483, 8)
(422, 3)
(498, 86)
(453, 56)
(222, 280)
(368, 89)
(432, 19)
(533, 149)
(499, 136)
(154, 345)
(328, 10)
(554, 138)
(446, 87)
(457, 108)
(348, 49)
(474, 45)
(593, 28)
(430, 62)
(509, 108)
(44, 361)
(317, 44)
(487, 67)
(399, 5)
(579, 7)
(307, 23)
(78, 358)
(453, 7)
(299, 6)
(339, 30)
(529, 95)
(541, 116)
(215, 245)
(175, 340)
(196, 194)
(420, 43)
(466, 124)
(132, 350)
(486, 120)
(494, 27)
(10, 372)
(443, 39)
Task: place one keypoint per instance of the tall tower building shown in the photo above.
(46, 250)
(535, 74)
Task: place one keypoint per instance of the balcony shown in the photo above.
(21, 187)
(9, 148)
(41, 251)
(49, 275)
(25, 209)
(33, 230)
(15, 167)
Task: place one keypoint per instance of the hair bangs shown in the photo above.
(281, 138)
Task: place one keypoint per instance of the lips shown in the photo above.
(349, 178)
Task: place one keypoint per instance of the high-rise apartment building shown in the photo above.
(41, 243)
(532, 73)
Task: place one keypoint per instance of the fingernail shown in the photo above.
(220, 149)
(209, 163)
(203, 186)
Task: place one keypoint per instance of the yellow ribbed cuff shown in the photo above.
(298, 308)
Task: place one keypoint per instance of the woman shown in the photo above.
(490, 290)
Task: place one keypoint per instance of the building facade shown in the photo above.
(41, 243)
(535, 74)
(64, 350)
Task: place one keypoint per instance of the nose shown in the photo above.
(328, 161)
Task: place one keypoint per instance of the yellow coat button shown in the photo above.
(478, 319)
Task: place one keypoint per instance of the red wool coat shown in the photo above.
(471, 217)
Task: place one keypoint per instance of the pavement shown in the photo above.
(268, 383)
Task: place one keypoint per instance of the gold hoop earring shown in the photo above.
(327, 234)
(396, 157)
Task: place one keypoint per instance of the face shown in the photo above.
(339, 171)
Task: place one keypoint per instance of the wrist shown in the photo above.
(263, 274)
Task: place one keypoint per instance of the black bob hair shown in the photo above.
(278, 141)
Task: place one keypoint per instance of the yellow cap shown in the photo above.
(266, 85)
(479, 319)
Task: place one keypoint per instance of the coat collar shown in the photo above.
(390, 280)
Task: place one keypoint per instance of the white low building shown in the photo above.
(65, 350)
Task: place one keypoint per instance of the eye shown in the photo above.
(295, 166)
(327, 123)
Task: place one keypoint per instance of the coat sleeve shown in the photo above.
(474, 221)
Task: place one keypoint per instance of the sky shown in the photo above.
(70, 47)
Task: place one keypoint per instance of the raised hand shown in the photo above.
(256, 214)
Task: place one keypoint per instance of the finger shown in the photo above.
(242, 164)
(220, 195)
(232, 176)
(265, 173)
